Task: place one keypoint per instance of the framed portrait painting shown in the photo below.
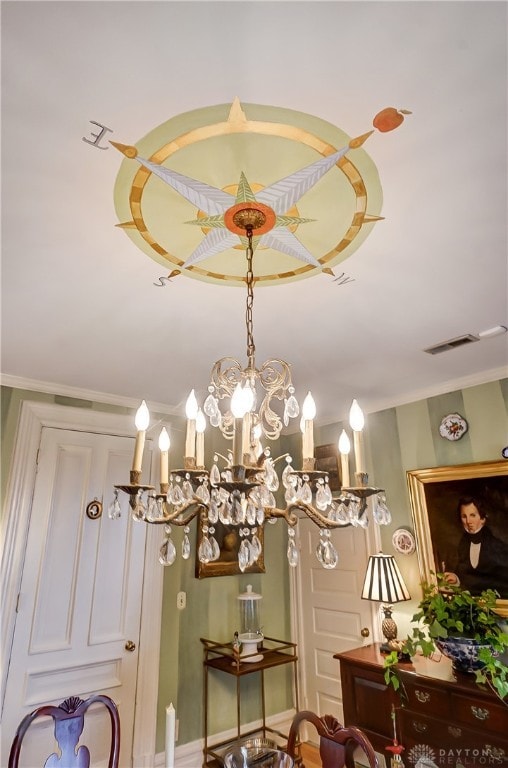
(229, 541)
(460, 515)
(328, 460)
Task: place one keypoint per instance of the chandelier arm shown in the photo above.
(194, 505)
(290, 517)
(317, 518)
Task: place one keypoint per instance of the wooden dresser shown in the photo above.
(445, 717)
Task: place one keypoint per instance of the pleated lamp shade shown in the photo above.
(383, 580)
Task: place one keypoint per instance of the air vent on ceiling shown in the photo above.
(444, 346)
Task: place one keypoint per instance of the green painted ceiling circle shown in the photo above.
(215, 146)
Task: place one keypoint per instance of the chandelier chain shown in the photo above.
(251, 349)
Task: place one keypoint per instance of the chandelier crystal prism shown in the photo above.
(240, 490)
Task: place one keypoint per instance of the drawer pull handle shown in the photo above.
(454, 731)
(422, 696)
(480, 713)
(419, 727)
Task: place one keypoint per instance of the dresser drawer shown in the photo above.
(427, 699)
(449, 744)
(480, 713)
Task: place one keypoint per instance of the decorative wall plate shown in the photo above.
(403, 541)
(453, 426)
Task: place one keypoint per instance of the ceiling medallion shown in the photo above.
(183, 193)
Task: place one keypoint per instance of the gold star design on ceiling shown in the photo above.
(214, 205)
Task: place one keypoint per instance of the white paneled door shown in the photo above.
(79, 607)
(332, 613)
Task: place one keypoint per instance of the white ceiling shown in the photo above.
(78, 302)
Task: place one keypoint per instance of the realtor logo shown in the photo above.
(424, 756)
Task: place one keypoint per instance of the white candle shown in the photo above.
(241, 403)
(248, 402)
(170, 736)
(344, 448)
(164, 444)
(191, 411)
(357, 421)
(141, 421)
(308, 414)
(256, 435)
(200, 438)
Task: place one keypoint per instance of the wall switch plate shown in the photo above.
(181, 600)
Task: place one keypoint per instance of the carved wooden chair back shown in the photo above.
(69, 720)
(337, 743)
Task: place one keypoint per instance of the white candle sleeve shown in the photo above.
(237, 441)
(308, 439)
(190, 440)
(138, 451)
(200, 449)
(358, 445)
(344, 465)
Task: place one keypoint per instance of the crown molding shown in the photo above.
(61, 390)
(450, 385)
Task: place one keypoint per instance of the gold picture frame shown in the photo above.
(328, 460)
(229, 543)
(434, 495)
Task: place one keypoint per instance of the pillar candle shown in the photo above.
(170, 736)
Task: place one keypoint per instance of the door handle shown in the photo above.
(130, 646)
(365, 632)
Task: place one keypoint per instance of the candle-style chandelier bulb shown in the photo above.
(164, 441)
(308, 408)
(344, 444)
(142, 419)
(241, 402)
(191, 406)
(200, 422)
(356, 417)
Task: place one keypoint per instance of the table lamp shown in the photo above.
(384, 583)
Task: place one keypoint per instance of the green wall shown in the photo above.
(407, 437)
(212, 606)
(396, 440)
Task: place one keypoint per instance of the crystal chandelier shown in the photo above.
(239, 489)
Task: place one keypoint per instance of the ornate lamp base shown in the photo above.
(389, 629)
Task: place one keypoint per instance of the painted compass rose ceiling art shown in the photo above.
(311, 191)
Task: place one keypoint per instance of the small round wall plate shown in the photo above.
(453, 426)
(403, 541)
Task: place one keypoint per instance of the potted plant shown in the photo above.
(464, 627)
